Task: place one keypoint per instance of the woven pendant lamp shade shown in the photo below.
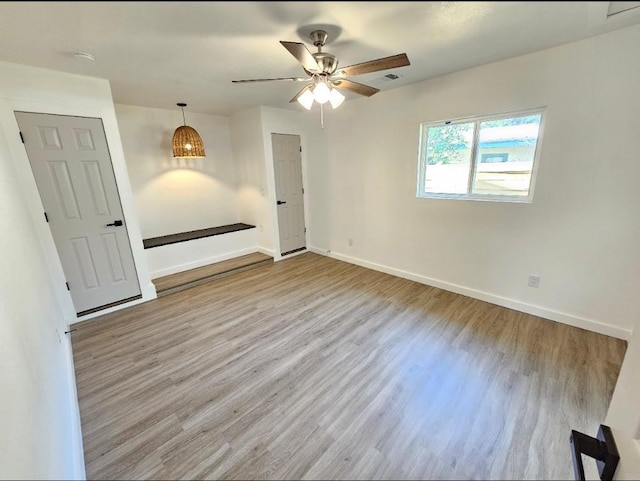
(186, 141)
(185, 137)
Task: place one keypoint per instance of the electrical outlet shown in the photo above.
(534, 281)
(350, 241)
(58, 334)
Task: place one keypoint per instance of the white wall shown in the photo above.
(623, 416)
(253, 153)
(582, 231)
(172, 258)
(40, 436)
(38, 417)
(252, 186)
(34, 89)
(178, 195)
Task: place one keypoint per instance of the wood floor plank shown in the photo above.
(312, 368)
(173, 282)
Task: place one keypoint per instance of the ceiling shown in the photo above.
(156, 54)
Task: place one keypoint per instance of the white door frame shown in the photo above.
(272, 195)
(288, 197)
(21, 162)
(89, 218)
(287, 123)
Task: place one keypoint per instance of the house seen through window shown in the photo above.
(481, 158)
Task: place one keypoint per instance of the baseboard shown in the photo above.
(77, 446)
(319, 250)
(203, 262)
(267, 252)
(551, 314)
(149, 291)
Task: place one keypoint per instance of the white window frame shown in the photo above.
(422, 157)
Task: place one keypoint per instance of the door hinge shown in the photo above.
(67, 284)
(303, 190)
(46, 217)
(301, 148)
(21, 137)
(305, 230)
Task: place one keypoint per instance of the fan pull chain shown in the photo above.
(322, 116)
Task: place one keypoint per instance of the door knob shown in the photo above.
(281, 202)
(116, 223)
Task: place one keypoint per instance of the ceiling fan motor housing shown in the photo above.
(327, 62)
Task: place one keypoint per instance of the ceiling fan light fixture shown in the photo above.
(335, 98)
(187, 143)
(321, 93)
(306, 99)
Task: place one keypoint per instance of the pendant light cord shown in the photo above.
(183, 120)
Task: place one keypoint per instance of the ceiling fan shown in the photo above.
(325, 76)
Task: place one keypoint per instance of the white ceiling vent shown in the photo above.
(391, 76)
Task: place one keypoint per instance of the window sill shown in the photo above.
(484, 198)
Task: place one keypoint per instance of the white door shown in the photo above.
(287, 161)
(72, 167)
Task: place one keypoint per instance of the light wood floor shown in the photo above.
(200, 275)
(311, 368)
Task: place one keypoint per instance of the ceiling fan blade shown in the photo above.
(400, 60)
(304, 89)
(302, 55)
(294, 79)
(355, 87)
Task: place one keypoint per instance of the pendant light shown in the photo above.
(187, 144)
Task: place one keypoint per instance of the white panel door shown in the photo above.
(70, 160)
(287, 162)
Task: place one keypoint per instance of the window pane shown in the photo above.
(448, 158)
(506, 150)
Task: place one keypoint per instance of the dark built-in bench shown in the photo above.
(194, 234)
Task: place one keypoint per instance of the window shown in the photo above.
(481, 158)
